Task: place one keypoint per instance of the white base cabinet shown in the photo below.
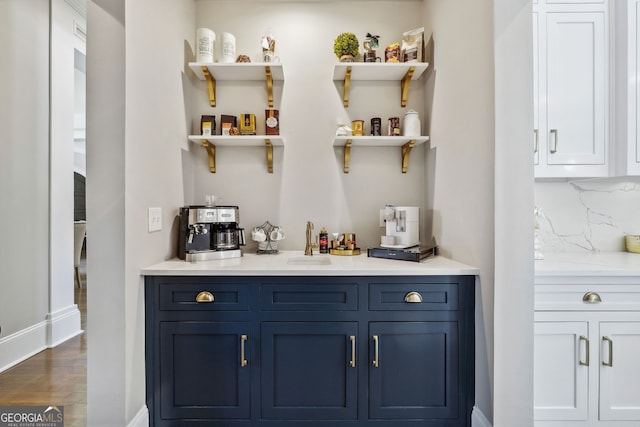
(587, 356)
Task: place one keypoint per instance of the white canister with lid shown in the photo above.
(228, 48)
(205, 39)
(411, 124)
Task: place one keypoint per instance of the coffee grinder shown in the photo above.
(209, 232)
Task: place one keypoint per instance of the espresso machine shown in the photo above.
(401, 226)
(402, 235)
(209, 232)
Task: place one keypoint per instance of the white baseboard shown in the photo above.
(63, 325)
(57, 328)
(478, 419)
(141, 419)
(22, 345)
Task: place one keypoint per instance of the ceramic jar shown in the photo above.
(411, 124)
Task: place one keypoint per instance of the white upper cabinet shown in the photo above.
(571, 89)
(629, 153)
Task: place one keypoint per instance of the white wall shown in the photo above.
(513, 295)
(106, 250)
(128, 171)
(24, 174)
(308, 182)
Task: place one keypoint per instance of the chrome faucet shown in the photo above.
(308, 247)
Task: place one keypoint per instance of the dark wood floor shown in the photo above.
(54, 377)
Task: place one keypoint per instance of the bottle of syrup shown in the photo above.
(324, 241)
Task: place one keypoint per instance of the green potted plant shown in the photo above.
(346, 47)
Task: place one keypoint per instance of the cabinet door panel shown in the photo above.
(576, 88)
(306, 371)
(620, 383)
(201, 374)
(560, 381)
(417, 372)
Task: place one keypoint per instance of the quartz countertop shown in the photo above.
(278, 265)
(589, 264)
(588, 268)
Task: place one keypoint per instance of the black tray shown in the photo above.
(415, 253)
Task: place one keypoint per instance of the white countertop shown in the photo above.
(277, 265)
(588, 268)
(588, 264)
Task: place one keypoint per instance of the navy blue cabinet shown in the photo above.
(313, 351)
(203, 370)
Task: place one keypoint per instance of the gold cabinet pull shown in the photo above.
(352, 363)
(586, 361)
(554, 133)
(243, 360)
(591, 298)
(376, 361)
(204, 297)
(610, 361)
(413, 297)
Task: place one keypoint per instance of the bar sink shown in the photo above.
(309, 260)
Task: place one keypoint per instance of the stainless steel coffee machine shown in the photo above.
(208, 233)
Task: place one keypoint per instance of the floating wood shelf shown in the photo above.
(406, 143)
(210, 143)
(246, 71)
(404, 72)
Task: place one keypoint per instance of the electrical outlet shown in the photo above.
(382, 221)
(155, 219)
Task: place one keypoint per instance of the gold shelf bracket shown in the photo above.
(211, 152)
(347, 155)
(269, 155)
(269, 78)
(406, 152)
(211, 85)
(347, 84)
(406, 82)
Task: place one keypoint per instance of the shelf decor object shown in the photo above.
(376, 71)
(210, 142)
(346, 47)
(238, 71)
(406, 143)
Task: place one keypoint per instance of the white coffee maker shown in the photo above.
(402, 225)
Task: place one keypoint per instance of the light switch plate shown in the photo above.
(155, 219)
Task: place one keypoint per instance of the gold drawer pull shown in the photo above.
(205, 296)
(413, 297)
(352, 363)
(591, 298)
(243, 359)
(376, 349)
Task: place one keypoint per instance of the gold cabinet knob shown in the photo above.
(413, 297)
(204, 296)
(591, 298)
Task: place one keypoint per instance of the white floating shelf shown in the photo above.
(238, 70)
(406, 143)
(211, 142)
(379, 70)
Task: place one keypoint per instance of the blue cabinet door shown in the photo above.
(413, 370)
(309, 370)
(204, 370)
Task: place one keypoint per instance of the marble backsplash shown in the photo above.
(587, 215)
